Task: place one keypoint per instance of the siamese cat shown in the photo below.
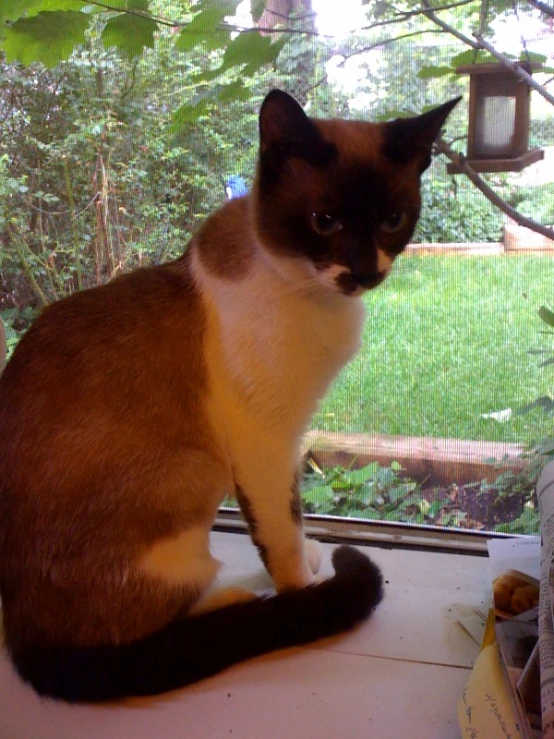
(128, 411)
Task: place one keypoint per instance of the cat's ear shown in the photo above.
(285, 130)
(409, 139)
(283, 122)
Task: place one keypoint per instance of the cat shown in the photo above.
(128, 411)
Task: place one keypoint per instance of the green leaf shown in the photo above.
(434, 509)
(54, 5)
(130, 5)
(129, 33)
(12, 10)
(463, 58)
(250, 50)
(358, 477)
(203, 27)
(396, 494)
(320, 494)
(470, 57)
(392, 114)
(528, 522)
(189, 113)
(433, 71)
(48, 37)
(233, 91)
(532, 56)
(340, 482)
(201, 103)
(546, 315)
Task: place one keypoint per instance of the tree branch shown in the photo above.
(515, 68)
(138, 13)
(403, 15)
(277, 30)
(543, 7)
(429, 12)
(384, 42)
(443, 148)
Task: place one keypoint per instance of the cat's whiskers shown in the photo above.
(310, 285)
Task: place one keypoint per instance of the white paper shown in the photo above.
(521, 554)
(545, 496)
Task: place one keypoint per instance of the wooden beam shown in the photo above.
(484, 248)
(435, 461)
(507, 164)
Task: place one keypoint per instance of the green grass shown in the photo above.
(447, 339)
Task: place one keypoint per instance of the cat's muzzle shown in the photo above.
(370, 281)
(351, 283)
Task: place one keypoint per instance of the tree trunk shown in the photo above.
(297, 14)
(278, 12)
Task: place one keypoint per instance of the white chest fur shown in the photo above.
(274, 346)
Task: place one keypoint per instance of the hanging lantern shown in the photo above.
(499, 109)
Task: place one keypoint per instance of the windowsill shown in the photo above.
(400, 674)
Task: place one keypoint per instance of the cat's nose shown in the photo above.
(370, 280)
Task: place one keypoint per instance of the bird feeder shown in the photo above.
(499, 109)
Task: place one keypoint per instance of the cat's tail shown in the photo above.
(203, 645)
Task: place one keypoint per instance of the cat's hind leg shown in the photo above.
(182, 559)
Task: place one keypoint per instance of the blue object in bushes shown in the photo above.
(235, 187)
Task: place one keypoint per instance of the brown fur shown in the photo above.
(86, 438)
(221, 243)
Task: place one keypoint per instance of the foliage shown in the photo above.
(236, 53)
(544, 402)
(16, 322)
(454, 211)
(532, 200)
(374, 492)
(508, 504)
(90, 182)
(48, 31)
(478, 57)
(522, 487)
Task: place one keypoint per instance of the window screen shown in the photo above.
(109, 162)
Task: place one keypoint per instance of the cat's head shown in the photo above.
(336, 201)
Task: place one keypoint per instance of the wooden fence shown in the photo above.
(517, 240)
(435, 461)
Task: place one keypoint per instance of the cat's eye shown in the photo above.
(393, 222)
(324, 224)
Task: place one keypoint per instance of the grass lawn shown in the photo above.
(447, 340)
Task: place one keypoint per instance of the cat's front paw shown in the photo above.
(314, 554)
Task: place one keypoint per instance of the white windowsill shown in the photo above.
(400, 674)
